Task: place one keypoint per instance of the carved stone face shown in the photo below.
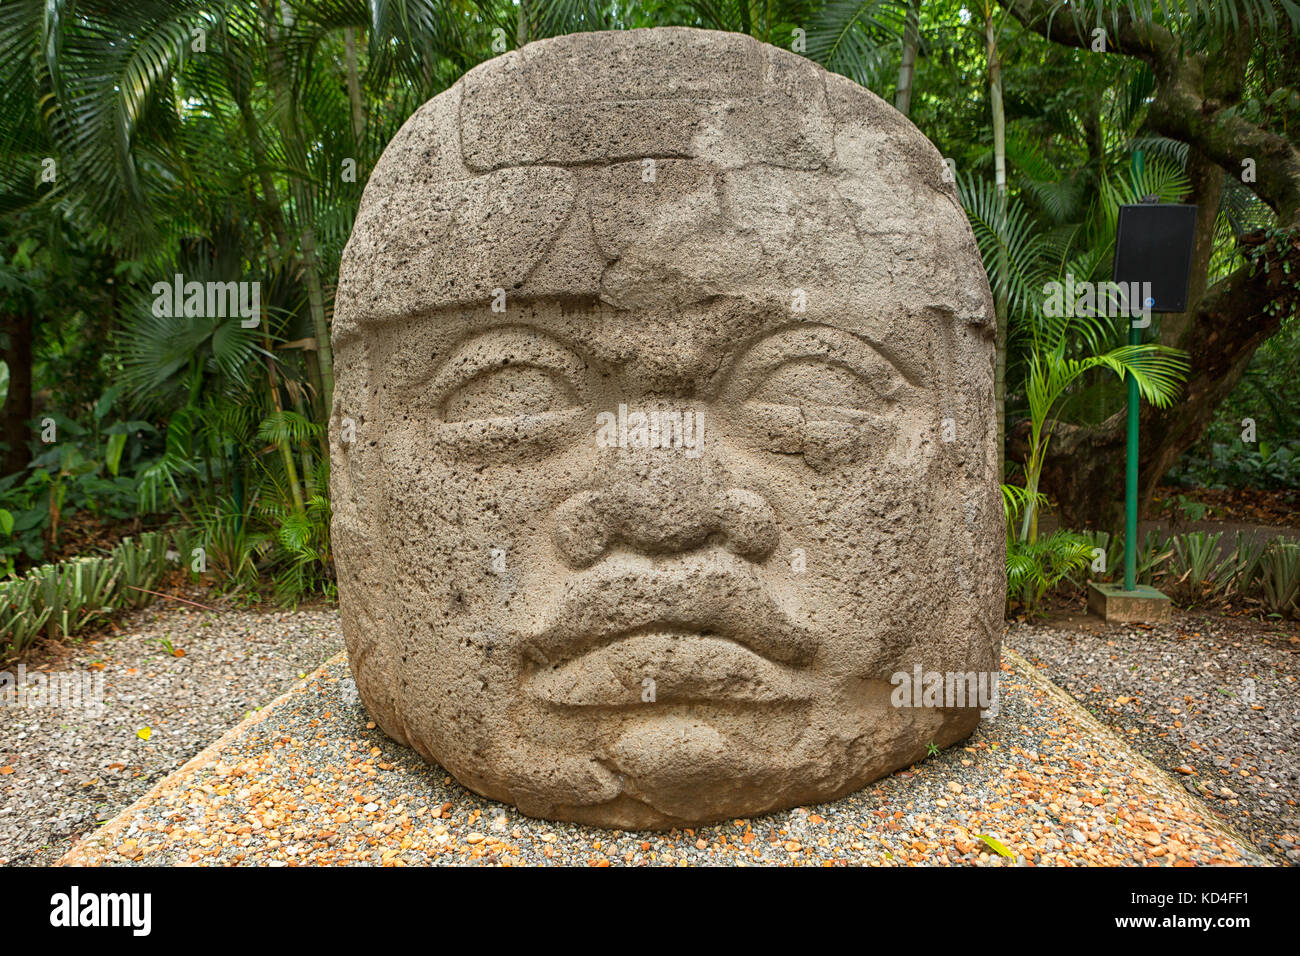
(648, 476)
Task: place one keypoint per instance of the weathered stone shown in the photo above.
(695, 231)
(1113, 604)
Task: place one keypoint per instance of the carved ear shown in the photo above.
(359, 561)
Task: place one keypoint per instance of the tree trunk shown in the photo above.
(1207, 188)
(907, 68)
(354, 81)
(1194, 101)
(1000, 182)
(270, 206)
(316, 301)
(304, 209)
(522, 29)
(14, 432)
(286, 454)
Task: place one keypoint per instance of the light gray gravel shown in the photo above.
(1212, 698)
(312, 781)
(316, 782)
(64, 770)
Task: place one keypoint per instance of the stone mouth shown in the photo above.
(722, 599)
(666, 666)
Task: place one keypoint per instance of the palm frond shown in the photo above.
(1013, 251)
(855, 37)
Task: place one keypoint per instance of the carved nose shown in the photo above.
(663, 510)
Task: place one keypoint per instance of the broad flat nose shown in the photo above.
(661, 502)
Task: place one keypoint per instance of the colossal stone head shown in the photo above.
(663, 434)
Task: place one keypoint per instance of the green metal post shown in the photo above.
(1131, 469)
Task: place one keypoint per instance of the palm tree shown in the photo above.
(855, 37)
(1063, 352)
(907, 63)
(228, 140)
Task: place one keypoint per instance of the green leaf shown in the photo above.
(113, 452)
(30, 518)
(106, 401)
(6, 522)
(997, 847)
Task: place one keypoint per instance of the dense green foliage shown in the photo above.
(230, 140)
(1270, 398)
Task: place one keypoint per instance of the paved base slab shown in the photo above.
(310, 781)
(1113, 604)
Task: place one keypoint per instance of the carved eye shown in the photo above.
(508, 391)
(820, 388)
(818, 392)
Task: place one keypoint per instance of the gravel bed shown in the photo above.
(176, 675)
(309, 780)
(1211, 698)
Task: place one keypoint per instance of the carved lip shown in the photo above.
(666, 667)
(716, 599)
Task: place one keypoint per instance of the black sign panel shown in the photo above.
(1153, 245)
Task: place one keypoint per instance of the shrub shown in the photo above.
(75, 593)
(1248, 556)
(1280, 578)
(62, 599)
(21, 616)
(1198, 572)
(1036, 567)
(141, 564)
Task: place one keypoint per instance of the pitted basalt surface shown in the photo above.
(663, 433)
